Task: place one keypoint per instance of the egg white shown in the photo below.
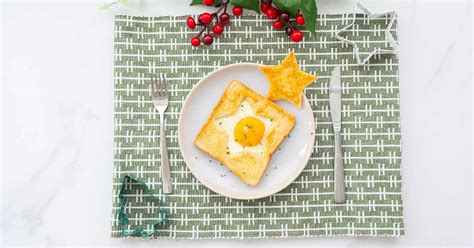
(228, 124)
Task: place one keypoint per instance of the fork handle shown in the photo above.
(165, 163)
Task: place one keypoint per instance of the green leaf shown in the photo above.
(310, 13)
(196, 2)
(289, 6)
(108, 5)
(247, 4)
(104, 6)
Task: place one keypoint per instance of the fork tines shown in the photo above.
(158, 86)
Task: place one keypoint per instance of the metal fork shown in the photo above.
(160, 97)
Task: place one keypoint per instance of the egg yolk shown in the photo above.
(249, 131)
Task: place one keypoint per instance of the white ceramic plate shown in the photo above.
(286, 163)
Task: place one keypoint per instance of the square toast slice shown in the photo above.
(247, 165)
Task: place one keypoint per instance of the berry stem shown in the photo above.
(202, 30)
(290, 25)
(225, 6)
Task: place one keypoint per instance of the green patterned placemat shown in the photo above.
(371, 131)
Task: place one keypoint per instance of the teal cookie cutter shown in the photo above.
(122, 217)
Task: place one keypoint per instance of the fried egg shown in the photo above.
(245, 129)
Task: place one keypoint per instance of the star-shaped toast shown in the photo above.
(287, 81)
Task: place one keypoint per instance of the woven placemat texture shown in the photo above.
(371, 130)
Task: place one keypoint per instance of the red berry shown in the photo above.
(296, 36)
(300, 20)
(224, 18)
(208, 2)
(207, 39)
(278, 24)
(218, 29)
(191, 22)
(284, 17)
(237, 10)
(272, 13)
(205, 18)
(288, 31)
(195, 41)
(264, 7)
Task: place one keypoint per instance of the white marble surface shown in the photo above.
(57, 124)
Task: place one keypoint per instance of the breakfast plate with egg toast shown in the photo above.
(236, 141)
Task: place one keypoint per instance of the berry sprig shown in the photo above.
(283, 20)
(289, 15)
(305, 12)
(215, 21)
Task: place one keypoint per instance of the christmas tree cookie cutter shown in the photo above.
(388, 36)
(122, 216)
